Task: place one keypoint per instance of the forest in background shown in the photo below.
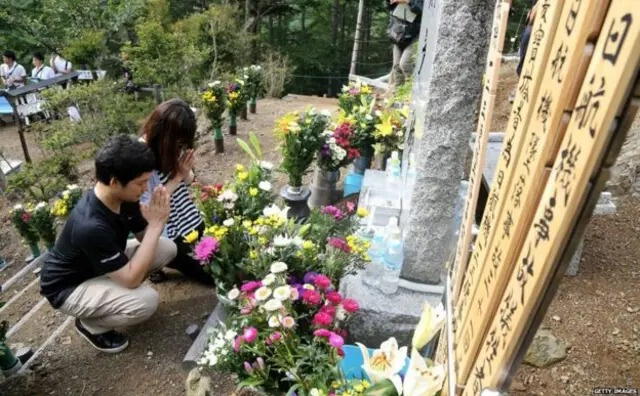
(186, 42)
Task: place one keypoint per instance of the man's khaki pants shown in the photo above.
(102, 305)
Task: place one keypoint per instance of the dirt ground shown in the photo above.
(153, 362)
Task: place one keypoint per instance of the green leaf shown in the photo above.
(244, 146)
(256, 144)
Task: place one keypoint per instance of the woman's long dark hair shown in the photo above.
(168, 130)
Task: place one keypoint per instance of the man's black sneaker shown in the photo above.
(110, 342)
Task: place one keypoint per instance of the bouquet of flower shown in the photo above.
(283, 335)
(206, 199)
(214, 101)
(338, 150)
(363, 117)
(300, 137)
(389, 131)
(254, 81)
(22, 219)
(64, 205)
(237, 96)
(253, 187)
(353, 95)
(43, 221)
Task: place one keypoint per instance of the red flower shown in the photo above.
(311, 297)
(322, 333)
(26, 217)
(353, 153)
(322, 319)
(350, 305)
(329, 310)
(334, 297)
(322, 282)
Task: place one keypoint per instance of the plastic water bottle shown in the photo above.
(394, 171)
(373, 270)
(393, 258)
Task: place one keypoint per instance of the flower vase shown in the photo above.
(323, 189)
(35, 251)
(362, 163)
(252, 106)
(243, 113)
(9, 363)
(233, 124)
(296, 199)
(218, 139)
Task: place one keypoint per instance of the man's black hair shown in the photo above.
(38, 56)
(123, 158)
(9, 54)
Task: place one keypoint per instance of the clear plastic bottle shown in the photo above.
(393, 258)
(393, 169)
(373, 270)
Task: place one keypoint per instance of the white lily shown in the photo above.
(422, 379)
(385, 362)
(430, 323)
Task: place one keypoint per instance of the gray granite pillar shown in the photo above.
(446, 100)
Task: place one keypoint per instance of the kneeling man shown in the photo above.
(94, 273)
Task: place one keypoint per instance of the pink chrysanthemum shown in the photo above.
(206, 248)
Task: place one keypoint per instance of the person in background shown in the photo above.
(60, 65)
(13, 75)
(94, 273)
(40, 70)
(526, 35)
(170, 132)
(404, 30)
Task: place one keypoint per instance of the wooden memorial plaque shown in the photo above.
(540, 46)
(608, 83)
(565, 69)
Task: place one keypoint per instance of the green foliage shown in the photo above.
(86, 51)
(403, 92)
(105, 110)
(41, 181)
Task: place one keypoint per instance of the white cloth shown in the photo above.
(13, 72)
(43, 72)
(60, 65)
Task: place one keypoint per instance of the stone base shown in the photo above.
(382, 316)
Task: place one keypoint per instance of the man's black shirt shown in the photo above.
(91, 244)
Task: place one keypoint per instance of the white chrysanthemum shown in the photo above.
(281, 241)
(282, 293)
(308, 286)
(264, 185)
(266, 165)
(73, 187)
(233, 294)
(41, 205)
(228, 195)
(297, 241)
(230, 335)
(263, 293)
(228, 222)
(294, 294)
(18, 207)
(288, 322)
(274, 210)
(273, 305)
(273, 321)
(269, 279)
(219, 343)
(278, 267)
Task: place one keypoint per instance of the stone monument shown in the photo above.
(452, 49)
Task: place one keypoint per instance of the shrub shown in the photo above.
(277, 73)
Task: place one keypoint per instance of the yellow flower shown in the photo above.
(253, 191)
(60, 208)
(308, 245)
(365, 89)
(286, 124)
(243, 176)
(362, 212)
(209, 97)
(239, 168)
(386, 126)
(234, 95)
(247, 223)
(253, 255)
(262, 240)
(192, 236)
